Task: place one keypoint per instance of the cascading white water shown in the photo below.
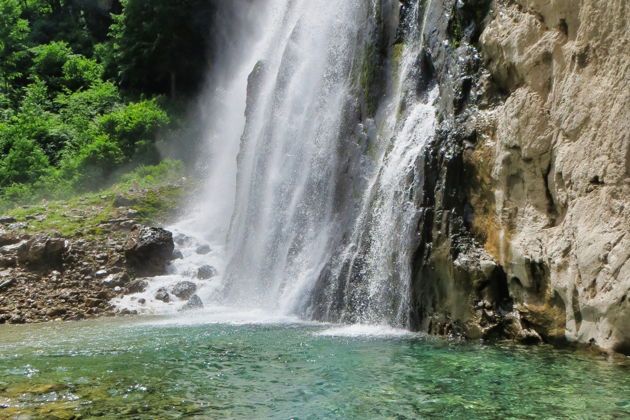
(270, 205)
(285, 185)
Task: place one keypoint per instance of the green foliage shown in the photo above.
(80, 72)
(78, 86)
(13, 53)
(97, 160)
(48, 62)
(156, 190)
(25, 162)
(134, 128)
(79, 110)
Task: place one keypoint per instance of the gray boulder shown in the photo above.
(184, 289)
(193, 303)
(162, 295)
(206, 272)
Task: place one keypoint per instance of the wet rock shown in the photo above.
(177, 255)
(100, 274)
(113, 280)
(42, 252)
(182, 240)
(206, 272)
(7, 219)
(162, 295)
(203, 249)
(137, 286)
(193, 303)
(142, 301)
(184, 289)
(148, 250)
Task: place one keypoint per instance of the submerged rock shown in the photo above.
(206, 272)
(184, 289)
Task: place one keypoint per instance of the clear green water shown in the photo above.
(145, 368)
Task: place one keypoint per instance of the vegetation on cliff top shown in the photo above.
(91, 90)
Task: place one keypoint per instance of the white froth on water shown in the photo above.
(365, 330)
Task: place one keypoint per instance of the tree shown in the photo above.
(13, 34)
(161, 45)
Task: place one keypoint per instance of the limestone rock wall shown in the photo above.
(551, 185)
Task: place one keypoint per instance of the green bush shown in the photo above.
(134, 127)
(48, 62)
(80, 72)
(78, 110)
(26, 162)
(97, 161)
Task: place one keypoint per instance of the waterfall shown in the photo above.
(281, 224)
(317, 122)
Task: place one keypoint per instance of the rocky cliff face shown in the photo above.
(556, 156)
(540, 245)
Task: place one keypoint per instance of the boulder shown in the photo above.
(203, 249)
(184, 289)
(162, 295)
(137, 286)
(206, 272)
(177, 255)
(148, 250)
(7, 219)
(182, 240)
(41, 252)
(193, 303)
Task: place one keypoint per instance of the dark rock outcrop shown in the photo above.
(42, 252)
(148, 250)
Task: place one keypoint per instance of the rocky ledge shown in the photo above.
(48, 277)
(66, 260)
